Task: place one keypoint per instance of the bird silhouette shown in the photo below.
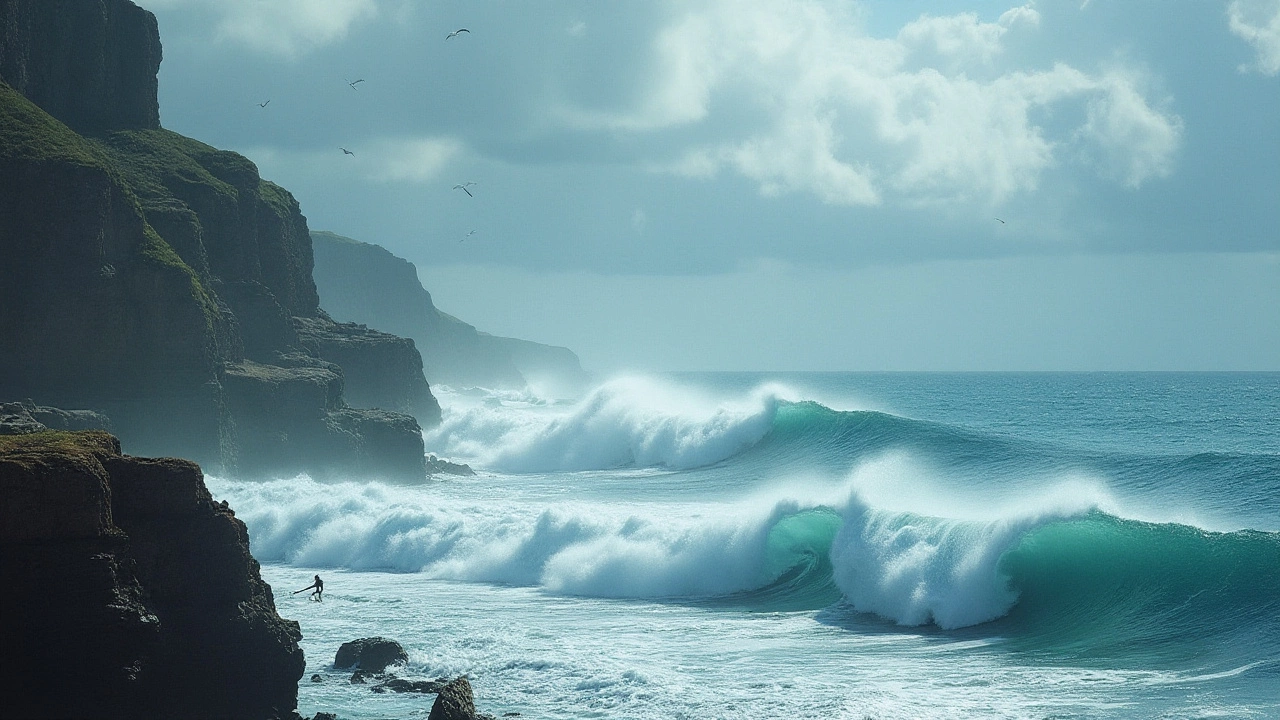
(264, 104)
(1001, 221)
(353, 83)
(463, 187)
(473, 232)
(455, 32)
(346, 151)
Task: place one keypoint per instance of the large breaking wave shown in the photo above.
(1063, 563)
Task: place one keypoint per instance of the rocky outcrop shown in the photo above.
(365, 283)
(91, 63)
(371, 654)
(292, 419)
(129, 592)
(143, 269)
(20, 418)
(381, 370)
(454, 702)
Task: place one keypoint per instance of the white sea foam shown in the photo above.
(628, 422)
(570, 548)
(918, 569)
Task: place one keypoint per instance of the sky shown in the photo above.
(780, 184)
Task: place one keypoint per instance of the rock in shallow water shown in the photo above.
(454, 702)
(370, 654)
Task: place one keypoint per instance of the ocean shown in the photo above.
(811, 545)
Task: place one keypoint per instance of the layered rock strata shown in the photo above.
(129, 592)
(380, 370)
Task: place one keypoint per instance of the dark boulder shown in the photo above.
(372, 654)
(440, 466)
(454, 702)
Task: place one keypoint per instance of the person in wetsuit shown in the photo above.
(318, 586)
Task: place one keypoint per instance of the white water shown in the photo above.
(569, 578)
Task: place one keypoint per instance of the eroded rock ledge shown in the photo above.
(129, 592)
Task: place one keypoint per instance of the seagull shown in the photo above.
(264, 104)
(463, 187)
(455, 32)
(473, 232)
(353, 83)
(346, 151)
(1002, 222)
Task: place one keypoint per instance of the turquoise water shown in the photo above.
(813, 545)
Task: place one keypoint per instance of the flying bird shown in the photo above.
(346, 151)
(1001, 221)
(455, 32)
(463, 187)
(264, 104)
(473, 232)
(353, 83)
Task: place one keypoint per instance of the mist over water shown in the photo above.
(1087, 539)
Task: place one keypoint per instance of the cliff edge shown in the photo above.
(129, 592)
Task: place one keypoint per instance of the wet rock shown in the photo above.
(317, 678)
(325, 716)
(455, 702)
(371, 655)
(440, 466)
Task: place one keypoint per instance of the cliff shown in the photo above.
(129, 592)
(143, 269)
(381, 370)
(365, 283)
(91, 63)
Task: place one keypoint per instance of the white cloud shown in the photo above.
(283, 27)
(1134, 141)
(802, 99)
(1258, 23)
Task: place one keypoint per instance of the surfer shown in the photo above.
(318, 585)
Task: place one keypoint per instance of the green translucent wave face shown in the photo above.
(1104, 586)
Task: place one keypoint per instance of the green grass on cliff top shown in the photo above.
(280, 200)
(156, 161)
(64, 442)
(29, 133)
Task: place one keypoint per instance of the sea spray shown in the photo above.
(630, 422)
(915, 569)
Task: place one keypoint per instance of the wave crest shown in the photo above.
(632, 422)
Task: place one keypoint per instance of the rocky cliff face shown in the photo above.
(365, 283)
(95, 308)
(380, 370)
(130, 593)
(142, 269)
(90, 63)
